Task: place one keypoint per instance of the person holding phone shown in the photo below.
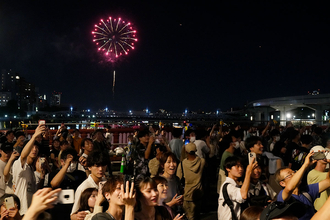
(291, 184)
(23, 171)
(9, 207)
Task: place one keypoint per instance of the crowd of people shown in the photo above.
(261, 174)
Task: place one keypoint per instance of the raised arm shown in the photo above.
(296, 178)
(246, 184)
(28, 147)
(57, 180)
(148, 150)
(9, 164)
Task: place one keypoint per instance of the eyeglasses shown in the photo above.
(274, 205)
(289, 175)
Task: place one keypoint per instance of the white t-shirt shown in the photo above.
(5, 187)
(24, 183)
(234, 193)
(88, 183)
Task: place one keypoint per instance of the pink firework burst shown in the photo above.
(114, 37)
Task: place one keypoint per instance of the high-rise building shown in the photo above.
(17, 88)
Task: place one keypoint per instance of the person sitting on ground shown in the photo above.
(237, 195)
(291, 181)
(11, 213)
(121, 202)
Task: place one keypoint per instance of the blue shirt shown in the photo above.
(313, 191)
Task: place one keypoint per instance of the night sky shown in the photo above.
(189, 55)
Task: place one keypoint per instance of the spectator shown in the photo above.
(87, 147)
(23, 173)
(260, 194)
(276, 162)
(299, 153)
(254, 145)
(119, 200)
(76, 140)
(63, 146)
(62, 133)
(147, 201)
(10, 135)
(228, 144)
(11, 213)
(6, 183)
(234, 170)
(192, 167)
(154, 163)
(190, 137)
(96, 163)
(90, 202)
(202, 143)
(142, 152)
(318, 174)
(162, 188)
(20, 142)
(174, 199)
(41, 172)
(99, 140)
(54, 152)
(275, 137)
(252, 213)
(176, 143)
(290, 182)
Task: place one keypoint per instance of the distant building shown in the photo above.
(55, 100)
(17, 88)
(4, 98)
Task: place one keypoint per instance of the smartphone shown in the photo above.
(178, 197)
(42, 160)
(66, 196)
(41, 122)
(187, 141)
(9, 202)
(318, 156)
(252, 155)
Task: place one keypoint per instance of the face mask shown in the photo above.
(277, 138)
(192, 139)
(72, 167)
(236, 145)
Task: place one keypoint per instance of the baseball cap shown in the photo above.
(7, 147)
(191, 148)
(279, 209)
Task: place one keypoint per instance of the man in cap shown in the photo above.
(191, 169)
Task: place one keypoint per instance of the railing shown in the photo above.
(119, 135)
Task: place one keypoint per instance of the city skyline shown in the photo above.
(188, 55)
